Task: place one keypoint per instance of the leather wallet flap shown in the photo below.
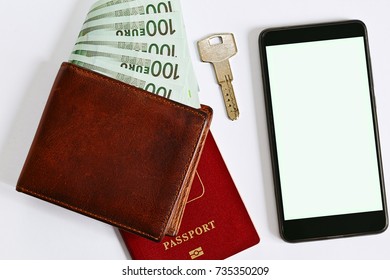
(114, 152)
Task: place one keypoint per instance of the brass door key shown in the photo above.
(217, 50)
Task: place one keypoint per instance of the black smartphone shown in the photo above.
(323, 131)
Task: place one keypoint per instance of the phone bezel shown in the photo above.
(330, 226)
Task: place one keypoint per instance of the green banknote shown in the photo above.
(168, 69)
(185, 94)
(141, 43)
(158, 46)
(135, 8)
(165, 25)
(173, 69)
(159, 67)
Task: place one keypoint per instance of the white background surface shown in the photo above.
(36, 36)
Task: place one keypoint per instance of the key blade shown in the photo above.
(217, 48)
(230, 100)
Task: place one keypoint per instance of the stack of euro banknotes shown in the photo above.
(142, 43)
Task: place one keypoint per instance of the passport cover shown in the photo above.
(216, 224)
(115, 153)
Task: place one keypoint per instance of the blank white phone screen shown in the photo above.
(324, 128)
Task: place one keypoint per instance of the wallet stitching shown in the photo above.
(83, 211)
(125, 86)
(162, 100)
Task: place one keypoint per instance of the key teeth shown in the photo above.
(233, 115)
(230, 100)
(234, 118)
(228, 78)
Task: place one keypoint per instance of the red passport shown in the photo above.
(216, 224)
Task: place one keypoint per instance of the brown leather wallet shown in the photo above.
(115, 153)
